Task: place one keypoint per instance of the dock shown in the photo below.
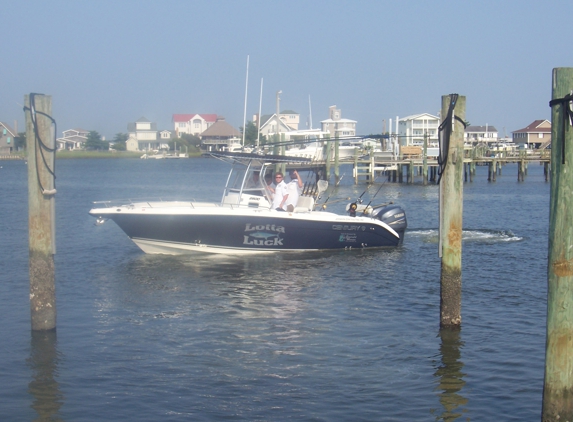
(406, 167)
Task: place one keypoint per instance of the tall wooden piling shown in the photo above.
(558, 385)
(425, 160)
(451, 208)
(40, 144)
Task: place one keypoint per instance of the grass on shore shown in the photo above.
(107, 154)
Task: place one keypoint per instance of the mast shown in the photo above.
(309, 112)
(259, 118)
(245, 112)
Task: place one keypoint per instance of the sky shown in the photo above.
(107, 63)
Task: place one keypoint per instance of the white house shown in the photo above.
(73, 139)
(412, 129)
(476, 134)
(336, 125)
(192, 124)
(143, 136)
(270, 125)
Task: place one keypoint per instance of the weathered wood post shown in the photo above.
(328, 157)
(451, 208)
(40, 144)
(336, 160)
(425, 160)
(558, 385)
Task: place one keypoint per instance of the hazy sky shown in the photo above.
(109, 62)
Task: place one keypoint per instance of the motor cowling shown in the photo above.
(393, 215)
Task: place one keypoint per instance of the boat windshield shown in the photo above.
(245, 187)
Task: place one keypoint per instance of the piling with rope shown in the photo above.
(40, 144)
(558, 384)
(451, 184)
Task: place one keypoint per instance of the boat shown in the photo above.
(244, 222)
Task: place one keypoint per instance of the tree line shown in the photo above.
(95, 142)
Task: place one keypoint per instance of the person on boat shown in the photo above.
(280, 192)
(254, 181)
(269, 186)
(294, 189)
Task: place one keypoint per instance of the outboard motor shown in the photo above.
(394, 216)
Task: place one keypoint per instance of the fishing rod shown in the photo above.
(333, 189)
(359, 200)
(371, 199)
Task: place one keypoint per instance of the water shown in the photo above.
(308, 337)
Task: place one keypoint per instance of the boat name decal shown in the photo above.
(347, 237)
(259, 235)
(344, 227)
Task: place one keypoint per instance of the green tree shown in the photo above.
(119, 141)
(186, 140)
(20, 141)
(251, 134)
(94, 142)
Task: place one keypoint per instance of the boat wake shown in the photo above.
(470, 235)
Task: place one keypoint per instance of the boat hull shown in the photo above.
(227, 230)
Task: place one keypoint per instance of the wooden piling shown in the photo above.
(451, 209)
(558, 385)
(40, 144)
(425, 160)
(336, 161)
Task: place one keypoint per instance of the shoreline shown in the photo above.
(88, 154)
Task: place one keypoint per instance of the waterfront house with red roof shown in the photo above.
(536, 136)
(193, 124)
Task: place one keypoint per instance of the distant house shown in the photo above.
(192, 124)
(270, 125)
(7, 139)
(536, 135)
(412, 129)
(219, 135)
(73, 139)
(477, 134)
(143, 136)
(336, 125)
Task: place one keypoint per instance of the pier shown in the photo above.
(407, 167)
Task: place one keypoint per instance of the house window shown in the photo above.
(182, 124)
(540, 135)
(197, 123)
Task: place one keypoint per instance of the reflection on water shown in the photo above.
(44, 387)
(450, 377)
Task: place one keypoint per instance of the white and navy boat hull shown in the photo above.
(176, 230)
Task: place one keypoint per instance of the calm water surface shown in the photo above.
(350, 336)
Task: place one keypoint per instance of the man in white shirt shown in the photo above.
(280, 192)
(294, 189)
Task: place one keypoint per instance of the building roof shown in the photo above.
(417, 116)
(270, 118)
(338, 121)
(211, 118)
(537, 126)
(480, 129)
(220, 129)
(9, 129)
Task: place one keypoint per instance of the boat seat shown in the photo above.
(304, 204)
